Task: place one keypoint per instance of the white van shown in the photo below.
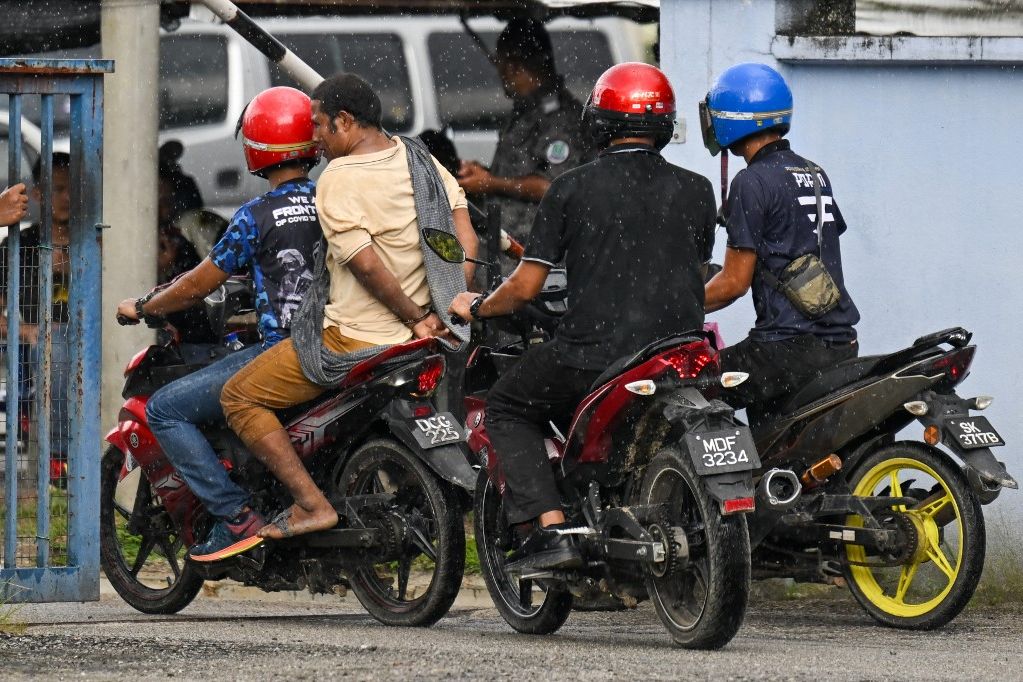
(428, 71)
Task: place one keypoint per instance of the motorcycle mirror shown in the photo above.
(447, 247)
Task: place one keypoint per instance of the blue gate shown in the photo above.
(50, 284)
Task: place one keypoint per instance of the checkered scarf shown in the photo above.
(327, 368)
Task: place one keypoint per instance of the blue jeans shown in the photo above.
(174, 412)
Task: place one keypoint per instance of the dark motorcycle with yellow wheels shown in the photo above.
(899, 521)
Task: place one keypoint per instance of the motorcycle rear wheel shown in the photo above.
(936, 582)
(702, 603)
(146, 568)
(514, 598)
(432, 508)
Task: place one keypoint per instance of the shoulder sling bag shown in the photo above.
(805, 282)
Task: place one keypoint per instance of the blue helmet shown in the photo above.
(746, 99)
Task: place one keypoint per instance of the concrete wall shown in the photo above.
(921, 141)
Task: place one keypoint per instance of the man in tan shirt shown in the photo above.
(378, 289)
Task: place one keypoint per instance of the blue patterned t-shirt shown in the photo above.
(276, 235)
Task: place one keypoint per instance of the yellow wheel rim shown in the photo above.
(903, 591)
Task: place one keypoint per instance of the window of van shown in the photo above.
(469, 91)
(376, 57)
(193, 80)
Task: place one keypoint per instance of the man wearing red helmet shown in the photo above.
(633, 231)
(275, 236)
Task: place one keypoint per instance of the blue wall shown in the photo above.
(924, 159)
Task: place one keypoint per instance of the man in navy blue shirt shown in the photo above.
(772, 219)
(275, 236)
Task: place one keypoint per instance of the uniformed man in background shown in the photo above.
(541, 140)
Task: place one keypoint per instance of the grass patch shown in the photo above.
(472, 558)
(1002, 581)
(9, 623)
(27, 508)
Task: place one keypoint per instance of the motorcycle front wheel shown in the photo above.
(701, 600)
(934, 575)
(526, 605)
(141, 552)
(417, 583)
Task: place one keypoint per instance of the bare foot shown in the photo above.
(297, 521)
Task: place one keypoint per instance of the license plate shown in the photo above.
(973, 432)
(721, 452)
(440, 429)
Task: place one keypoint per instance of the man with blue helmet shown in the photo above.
(771, 219)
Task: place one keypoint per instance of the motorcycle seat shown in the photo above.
(627, 362)
(842, 374)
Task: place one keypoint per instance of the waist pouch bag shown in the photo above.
(806, 282)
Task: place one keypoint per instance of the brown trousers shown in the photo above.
(274, 381)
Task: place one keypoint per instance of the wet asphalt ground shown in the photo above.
(288, 638)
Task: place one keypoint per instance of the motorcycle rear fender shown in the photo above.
(982, 461)
(984, 471)
(450, 462)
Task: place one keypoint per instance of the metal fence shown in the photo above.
(50, 290)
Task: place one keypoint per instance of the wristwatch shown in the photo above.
(154, 321)
(139, 302)
(474, 307)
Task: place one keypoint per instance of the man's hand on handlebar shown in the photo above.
(126, 312)
(459, 308)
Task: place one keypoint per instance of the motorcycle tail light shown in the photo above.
(739, 504)
(955, 364)
(430, 374)
(689, 361)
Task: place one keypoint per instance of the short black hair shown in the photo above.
(60, 160)
(347, 92)
(526, 42)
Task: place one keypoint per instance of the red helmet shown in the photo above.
(631, 99)
(277, 126)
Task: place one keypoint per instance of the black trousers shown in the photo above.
(778, 369)
(537, 390)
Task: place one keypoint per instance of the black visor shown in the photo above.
(710, 140)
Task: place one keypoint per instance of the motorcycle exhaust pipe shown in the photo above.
(779, 490)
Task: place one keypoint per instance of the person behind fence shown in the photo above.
(781, 217)
(378, 292)
(541, 140)
(272, 235)
(634, 231)
(34, 254)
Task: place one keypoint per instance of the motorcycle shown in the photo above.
(898, 521)
(654, 466)
(383, 448)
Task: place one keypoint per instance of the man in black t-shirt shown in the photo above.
(772, 220)
(633, 231)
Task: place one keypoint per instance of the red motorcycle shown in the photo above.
(382, 447)
(656, 468)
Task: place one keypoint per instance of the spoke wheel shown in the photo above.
(417, 581)
(701, 602)
(143, 558)
(940, 565)
(527, 605)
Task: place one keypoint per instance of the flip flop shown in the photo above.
(237, 548)
(281, 523)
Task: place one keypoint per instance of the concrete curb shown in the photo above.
(472, 595)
